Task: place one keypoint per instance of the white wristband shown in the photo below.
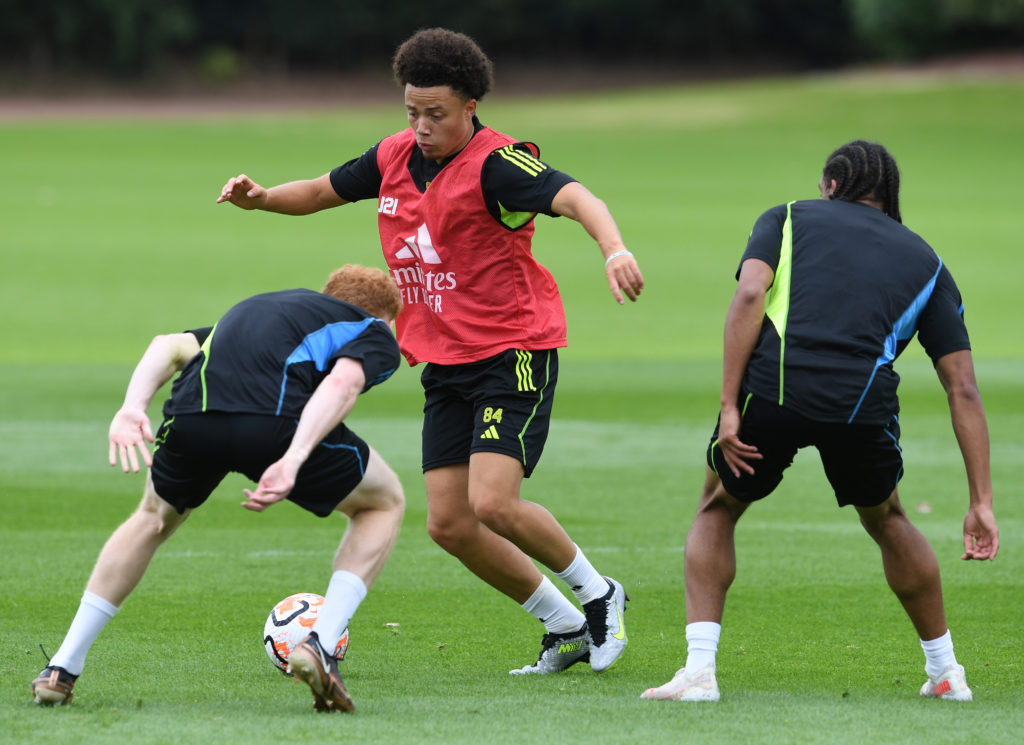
(616, 255)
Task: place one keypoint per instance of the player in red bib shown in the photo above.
(456, 204)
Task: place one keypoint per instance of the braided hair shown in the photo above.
(437, 56)
(865, 170)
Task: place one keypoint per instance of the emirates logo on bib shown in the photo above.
(416, 283)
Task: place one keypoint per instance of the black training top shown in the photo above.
(511, 186)
(269, 353)
(851, 288)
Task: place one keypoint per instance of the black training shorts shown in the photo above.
(499, 405)
(194, 452)
(863, 462)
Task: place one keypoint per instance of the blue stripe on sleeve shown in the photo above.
(904, 329)
(320, 346)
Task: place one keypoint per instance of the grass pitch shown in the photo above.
(111, 234)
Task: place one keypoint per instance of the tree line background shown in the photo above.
(221, 40)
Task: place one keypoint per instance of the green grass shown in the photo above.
(110, 234)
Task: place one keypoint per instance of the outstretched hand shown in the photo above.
(243, 192)
(275, 484)
(624, 276)
(129, 432)
(981, 535)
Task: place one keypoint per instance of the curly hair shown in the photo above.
(370, 288)
(437, 56)
(865, 170)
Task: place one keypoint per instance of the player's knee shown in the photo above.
(717, 500)
(451, 535)
(381, 501)
(155, 522)
(392, 499)
(442, 535)
(387, 493)
(383, 487)
(884, 520)
(156, 516)
(496, 515)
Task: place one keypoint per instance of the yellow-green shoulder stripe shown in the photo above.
(205, 349)
(527, 162)
(777, 301)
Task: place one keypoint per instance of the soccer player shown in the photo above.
(456, 203)
(264, 392)
(830, 292)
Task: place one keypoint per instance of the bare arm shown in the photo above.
(293, 198)
(574, 201)
(130, 428)
(956, 373)
(742, 326)
(330, 403)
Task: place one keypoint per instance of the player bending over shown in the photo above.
(263, 392)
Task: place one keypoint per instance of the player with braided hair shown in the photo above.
(865, 170)
(830, 292)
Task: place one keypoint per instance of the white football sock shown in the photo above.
(702, 644)
(93, 614)
(553, 609)
(584, 581)
(344, 594)
(938, 654)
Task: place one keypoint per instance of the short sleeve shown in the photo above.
(358, 179)
(765, 241)
(377, 349)
(201, 334)
(941, 328)
(517, 184)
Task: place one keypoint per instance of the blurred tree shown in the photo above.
(140, 33)
(222, 39)
(911, 29)
(123, 37)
